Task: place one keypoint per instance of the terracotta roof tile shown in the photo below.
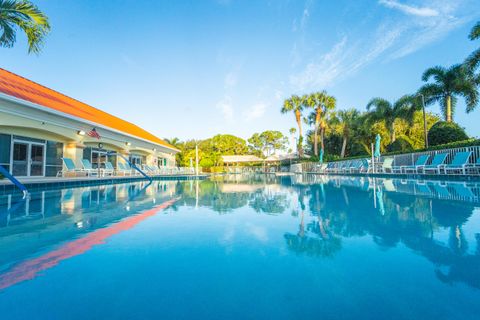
(22, 88)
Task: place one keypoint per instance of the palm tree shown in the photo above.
(328, 106)
(473, 61)
(403, 108)
(24, 15)
(316, 101)
(346, 122)
(296, 105)
(447, 86)
(173, 141)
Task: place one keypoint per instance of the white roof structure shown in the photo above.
(240, 159)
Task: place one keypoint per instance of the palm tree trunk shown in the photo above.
(393, 136)
(448, 111)
(317, 125)
(344, 147)
(322, 139)
(298, 117)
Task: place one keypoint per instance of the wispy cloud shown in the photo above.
(393, 38)
(412, 10)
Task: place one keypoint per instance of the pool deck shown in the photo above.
(54, 182)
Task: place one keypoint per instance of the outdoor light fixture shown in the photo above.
(81, 133)
(154, 149)
(128, 144)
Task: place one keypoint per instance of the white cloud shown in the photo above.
(256, 111)
(226, 108)
(411, 10)
(393, 38)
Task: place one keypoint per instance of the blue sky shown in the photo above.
(192, 69)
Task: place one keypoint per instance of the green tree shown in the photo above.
(267, 142)
(473, 61)
(346, 123)
(315, 101)
(296, 105)
(448, 84)
(383, 110)
(26, 16)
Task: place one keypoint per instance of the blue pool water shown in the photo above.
(239, 247)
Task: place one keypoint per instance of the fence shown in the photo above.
(407, 159)
(411, 158)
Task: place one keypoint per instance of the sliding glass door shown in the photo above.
(28, 159)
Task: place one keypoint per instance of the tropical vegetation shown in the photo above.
(402, 124)
(23, 15)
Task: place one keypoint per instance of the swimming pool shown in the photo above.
(243, 247)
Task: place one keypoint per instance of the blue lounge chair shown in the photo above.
(437, 164)
(87, 167)
(122, 168)
(459, 162)
(69, 168)
(419, 164)
(109, 169)
(387, 166)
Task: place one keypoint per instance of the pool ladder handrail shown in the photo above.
(132, 165)
(14, 180)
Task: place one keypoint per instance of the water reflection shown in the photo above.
(430, 218)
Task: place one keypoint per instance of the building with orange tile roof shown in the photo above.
(39, 126)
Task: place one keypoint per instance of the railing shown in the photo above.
(411, 158)
(407, 159)
(17, 183)
(133, 166)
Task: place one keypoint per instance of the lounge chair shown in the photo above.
(122, 168)
(87, 167)
(109, 169)
(459, 162)
(387, 166)
(69, 169)
(437, 164)
(419, 164)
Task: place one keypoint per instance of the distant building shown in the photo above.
(39, 126)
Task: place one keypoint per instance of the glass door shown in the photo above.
(28, 159)
(98, 159)
(20, 159)
(37, 160)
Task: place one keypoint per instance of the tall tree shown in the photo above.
(316, 101)
(329, 105)
(346, 122)
(267, 142)
(296, 105)
(448, 85)
(26, 16)
(473, 61)
(383, 110)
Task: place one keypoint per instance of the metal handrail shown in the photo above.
(131, 165)
(14, 180)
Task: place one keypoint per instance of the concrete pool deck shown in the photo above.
(54, 182)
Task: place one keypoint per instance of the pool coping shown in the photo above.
(6, 186)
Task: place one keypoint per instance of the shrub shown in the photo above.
(402, 144)
(445, 132)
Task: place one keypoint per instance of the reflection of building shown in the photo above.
(39, 126)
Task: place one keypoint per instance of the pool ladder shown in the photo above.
(14, 180)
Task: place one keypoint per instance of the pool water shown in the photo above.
(243, 247)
